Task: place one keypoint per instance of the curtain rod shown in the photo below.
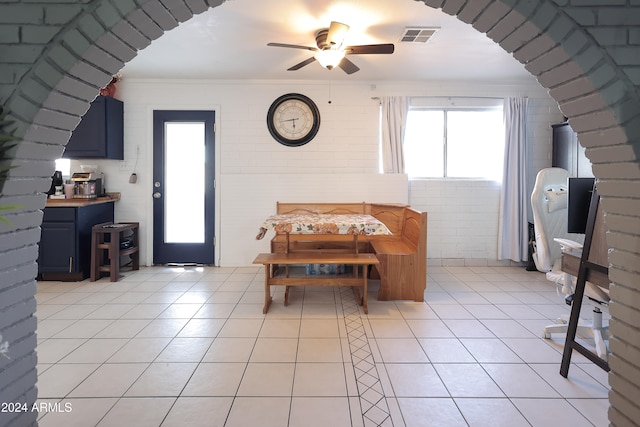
(461, 96)
(377, 98)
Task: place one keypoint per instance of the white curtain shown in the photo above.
(513, 235)
(394, 119)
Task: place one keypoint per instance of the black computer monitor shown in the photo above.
(580, 191)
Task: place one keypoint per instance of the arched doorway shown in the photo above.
(570, 54)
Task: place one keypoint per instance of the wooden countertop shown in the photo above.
(77, 203)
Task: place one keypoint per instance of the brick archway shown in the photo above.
(580, 53)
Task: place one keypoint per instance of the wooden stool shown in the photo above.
(101, 246)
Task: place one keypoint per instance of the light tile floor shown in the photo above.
(190, 347)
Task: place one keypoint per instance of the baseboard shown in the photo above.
(473, 262)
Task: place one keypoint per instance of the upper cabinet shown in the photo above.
(568, 153)
(100, 133)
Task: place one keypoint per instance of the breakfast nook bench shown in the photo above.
(401, 252)
(402, 256)
(279, 271)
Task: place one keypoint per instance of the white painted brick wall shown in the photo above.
(463, 217)
(346, 144)
(245, 146)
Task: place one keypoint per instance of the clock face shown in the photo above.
(293, 119)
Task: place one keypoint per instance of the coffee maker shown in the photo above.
(88, 185)
(56, 183)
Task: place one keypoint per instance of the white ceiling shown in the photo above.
(230, 42)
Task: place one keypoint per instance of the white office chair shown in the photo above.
(549, 205)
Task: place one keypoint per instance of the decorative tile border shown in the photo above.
(374, 406)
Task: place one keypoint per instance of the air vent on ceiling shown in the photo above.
(417, 34)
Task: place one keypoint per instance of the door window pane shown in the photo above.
(184, 185)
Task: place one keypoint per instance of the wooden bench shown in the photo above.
(402, 267)
(403, 259)
(277, 272)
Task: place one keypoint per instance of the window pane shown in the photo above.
(184, 182)
(424, 144)
(64, 166)
(475, 144)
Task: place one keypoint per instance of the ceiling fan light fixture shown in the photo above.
(330, 58)
(331, 53)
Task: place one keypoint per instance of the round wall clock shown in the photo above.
(293, 119)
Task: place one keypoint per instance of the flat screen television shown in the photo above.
(580, 191)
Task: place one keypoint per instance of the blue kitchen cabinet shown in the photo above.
(100, 133)
(65, 241)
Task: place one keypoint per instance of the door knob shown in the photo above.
(157, 195)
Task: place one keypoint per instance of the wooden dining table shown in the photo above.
(320, 225)
(324, 224)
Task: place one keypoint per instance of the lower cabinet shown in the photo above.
(65, 241)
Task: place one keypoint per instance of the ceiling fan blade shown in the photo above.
(348, 66)
(294, 46)
(336, 33)
(370, 49)
(302, 64)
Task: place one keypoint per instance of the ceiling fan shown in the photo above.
(331, 53)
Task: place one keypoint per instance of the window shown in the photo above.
(454, 142)
(64, 166)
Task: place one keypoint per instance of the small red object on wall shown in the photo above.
(110, 88)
